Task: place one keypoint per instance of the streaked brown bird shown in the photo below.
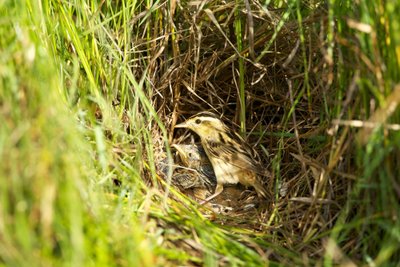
(232, 159)
(198, 171)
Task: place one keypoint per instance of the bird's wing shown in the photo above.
(186, 179)
(208, 171)
(235, 155)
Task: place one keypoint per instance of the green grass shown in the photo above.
(90, 92)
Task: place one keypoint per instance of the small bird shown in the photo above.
(198, 171)
(232, 160)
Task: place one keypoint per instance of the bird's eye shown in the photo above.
(198, 121)
(190, 155)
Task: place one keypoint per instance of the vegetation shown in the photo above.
(90, 92)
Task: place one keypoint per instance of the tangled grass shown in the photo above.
(93, 90)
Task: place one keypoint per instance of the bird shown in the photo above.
(232, 159)
(197, 171)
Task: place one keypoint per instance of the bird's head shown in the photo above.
(189, 154)
(207, 125)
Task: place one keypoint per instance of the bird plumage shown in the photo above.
(198, 171)
(232, 160)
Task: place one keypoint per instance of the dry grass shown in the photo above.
(296, 79)
(287, 91)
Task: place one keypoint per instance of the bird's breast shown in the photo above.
(225, 172)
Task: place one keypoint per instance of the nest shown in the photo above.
(287, 83)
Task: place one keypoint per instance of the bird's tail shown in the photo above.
(261, 189)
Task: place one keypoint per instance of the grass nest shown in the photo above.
(281, 81)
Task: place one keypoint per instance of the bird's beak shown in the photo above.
(181, 125)
(178, 149)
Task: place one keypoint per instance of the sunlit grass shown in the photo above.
(89, 94)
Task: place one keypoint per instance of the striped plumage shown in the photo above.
(232, 160)
(198, 171)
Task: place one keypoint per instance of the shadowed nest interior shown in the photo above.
(287, 87)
